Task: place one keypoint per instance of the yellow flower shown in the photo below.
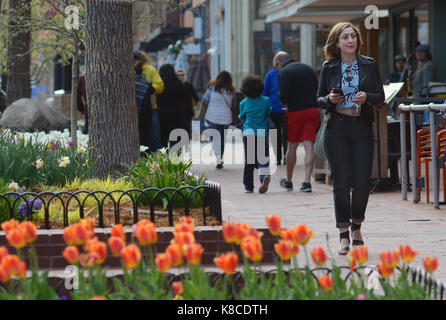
(64, 161)
(80, 149)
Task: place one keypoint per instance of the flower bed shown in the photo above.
(145, 265)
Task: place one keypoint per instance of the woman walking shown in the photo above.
(219, 114)
(169, 103)
(350, 85)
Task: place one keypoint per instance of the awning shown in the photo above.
(162, 37)
(328, 11)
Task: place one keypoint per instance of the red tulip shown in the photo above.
(288, 234)
(29, 231)
(228, 231)
(11, 263)
(303, 234)
(145, 233)
(252, 248)
(325, 282)
(430, 264)
(241, 231)
(16, 238)
(3, 253)
(97, 247)
(131, 256)
(71, 254)
(177, 287)
(4, 275)
(193, 253)
(359, 254)
(176, 254)
(318, 255)
(284, 249)
(273, 222)
(9, 225)
(407, 254)
(116, 245)
(118, 231)
(384, 271)
(389, 259)
(227, 262)
(163, 262)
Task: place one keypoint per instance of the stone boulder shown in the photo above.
(28, 115)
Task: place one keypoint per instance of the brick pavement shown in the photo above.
(390, 221)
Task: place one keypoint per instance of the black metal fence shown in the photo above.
(24, 205)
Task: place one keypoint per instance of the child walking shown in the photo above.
(254, 111)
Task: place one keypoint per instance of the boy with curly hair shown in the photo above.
(254, 112)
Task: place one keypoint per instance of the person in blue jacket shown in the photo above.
(278, 112)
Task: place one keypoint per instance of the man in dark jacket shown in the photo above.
(297, 91)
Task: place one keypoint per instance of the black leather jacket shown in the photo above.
(369, 81)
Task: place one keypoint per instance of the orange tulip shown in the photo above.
(193, 253)
(97, 247)
(288, 234)
(71, 254)
(3, 253)
(273, 222)
(384, 271)
(116, 244)
(407, 254)
(318, 255)
(11, 263)
(228, 231)
(241, 231)
(9, 225)
(284, 249)
(227, 262)
(252, 248)
(4, 275)
(325, 282)
(77, 234)
(183, 227)
(98, 298)
(389, 259)
(255, 233)
(16, 238)
(184, 239)
(146, 233)
(177, 287)
(131, 256)
(430, 264)
(163, 262)
(118, 231)
(68, 235)
(303, 234)
(88, 224)
(187, 220)
(295, 249)
(359, 254)
(176, 254)
(29, 231)
(88, 260)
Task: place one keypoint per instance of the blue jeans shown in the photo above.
(221, 130)
(349, 147)
(155, 138)
(255, 158)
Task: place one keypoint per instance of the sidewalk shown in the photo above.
(390, 221)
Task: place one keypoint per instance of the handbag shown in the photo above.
(319, 147)
(234, 110)
(204, 103)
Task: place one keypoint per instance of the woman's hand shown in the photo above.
(360, 98)
(335, 98)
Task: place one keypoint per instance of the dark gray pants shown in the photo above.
(349, 148)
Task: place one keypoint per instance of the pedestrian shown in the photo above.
(297, 91)
(150, 74)
(191, 99)
(254, 112)
(169, 104)
(399, 63)
(278, 112)
(350, 85)
(219, 114)
(144, 93)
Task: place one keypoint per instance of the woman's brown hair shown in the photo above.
(224, 81)
(331, 49)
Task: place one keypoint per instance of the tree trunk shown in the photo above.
(74, 85)
(110, 84)
(19, 58)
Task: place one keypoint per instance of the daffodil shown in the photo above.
(64, 161)
(39, 163)
(13, 186)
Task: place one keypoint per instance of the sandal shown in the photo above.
(345, 250)
(356, 242)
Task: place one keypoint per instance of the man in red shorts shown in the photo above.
(297, 91)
